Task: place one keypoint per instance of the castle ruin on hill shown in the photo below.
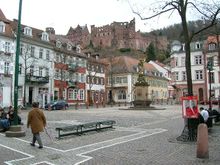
(117, 35)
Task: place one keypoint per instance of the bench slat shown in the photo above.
(79, 129)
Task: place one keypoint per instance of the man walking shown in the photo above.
(37, 121)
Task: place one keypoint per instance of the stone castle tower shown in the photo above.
(116, 35)
(79, 36)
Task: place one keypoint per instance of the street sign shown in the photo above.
(190, 107)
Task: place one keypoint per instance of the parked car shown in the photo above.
(57, 105)
(214, 101)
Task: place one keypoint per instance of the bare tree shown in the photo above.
(28, 63)
(208, 11)
(28, 60)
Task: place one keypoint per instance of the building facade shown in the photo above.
(7, 51)
(178, 70)
(95, 80)
(69, 77)
(122, 75)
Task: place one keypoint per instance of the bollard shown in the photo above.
(87, 105)
(202, 141)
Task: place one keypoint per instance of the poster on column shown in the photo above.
(190, 107)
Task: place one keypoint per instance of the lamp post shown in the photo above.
(17, 65)
(210, 68)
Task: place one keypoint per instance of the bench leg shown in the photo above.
(58, 134)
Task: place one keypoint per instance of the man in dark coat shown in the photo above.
(37, 121)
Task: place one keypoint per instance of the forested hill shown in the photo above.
(174, 32)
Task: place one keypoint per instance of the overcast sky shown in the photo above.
(61, 14)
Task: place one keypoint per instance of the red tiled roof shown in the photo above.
(2, 16)
(8, 30)
(126, 64)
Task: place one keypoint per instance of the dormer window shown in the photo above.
(28, 31)
(2, 27)
(58, 44)
(212, 46)
(45, 36)
(78, 49)
(198, 45)
(69, 46)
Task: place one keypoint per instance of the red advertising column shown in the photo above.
(190, 107)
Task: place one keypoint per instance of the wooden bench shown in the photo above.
(82, 128)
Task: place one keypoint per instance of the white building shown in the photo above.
(6, 61)
(197, 69)
(95, 80)
(35, 65)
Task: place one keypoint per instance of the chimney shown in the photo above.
(50, 30)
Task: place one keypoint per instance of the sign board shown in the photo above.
(190, 107)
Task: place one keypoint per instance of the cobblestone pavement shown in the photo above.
(140, 137)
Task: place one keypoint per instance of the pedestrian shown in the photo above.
(204, 115)
(4, 120)
(37, 121)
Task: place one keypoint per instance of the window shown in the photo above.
(32, 51)
(102, 81)
(176, 74)
(183, 59)
(6, 68)
(70, 94)
(20, 69)
(28, 31)
(56, 74)
(198, 45)
(75, 92)
(57, 57)
(45, 36)
(77, 77)
(41, 53)
(7, 47)
(47, 72)
(121, 95)
(20, 92)
(58, 44)
(183, 75)
(198, 59)
(81, 95)
(212, 46)
(40, 72)
(21, 49)
(82, 78)
(199, 75)
(102, 70)
(69, 46)
(2, 27)
(32, 70)
(183, 47)
(176, 61)
(48, 55)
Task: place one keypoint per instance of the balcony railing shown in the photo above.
(37, 79)
(72, 83)
(72, 66)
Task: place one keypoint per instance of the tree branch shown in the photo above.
(213, 22)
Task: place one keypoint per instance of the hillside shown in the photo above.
(174, 32)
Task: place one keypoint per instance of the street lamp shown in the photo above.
(17, 65)
(210, 68)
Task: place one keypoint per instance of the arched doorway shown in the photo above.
(201, 96)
